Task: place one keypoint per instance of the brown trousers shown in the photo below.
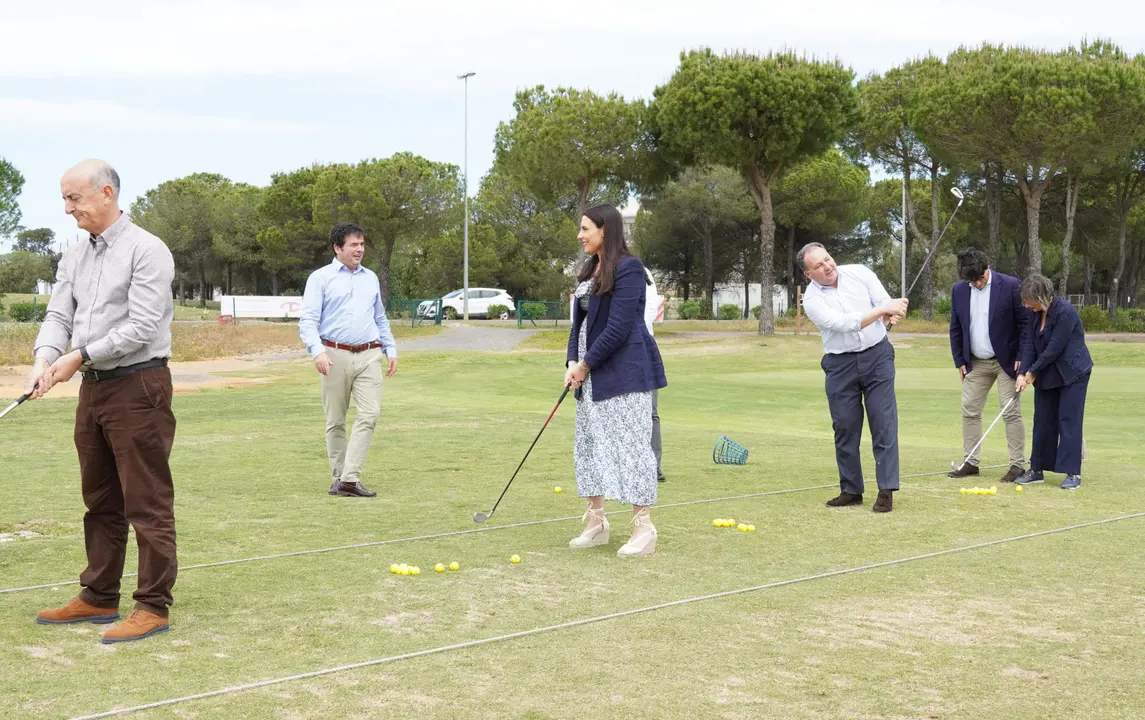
(124, 431)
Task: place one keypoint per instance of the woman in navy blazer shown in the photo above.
(613, 364)
(1058, 364)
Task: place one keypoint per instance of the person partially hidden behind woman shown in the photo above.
(1058, 365)
(613, 367)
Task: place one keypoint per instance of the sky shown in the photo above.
(248, 88)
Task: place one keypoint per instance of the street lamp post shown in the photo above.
(465, 180)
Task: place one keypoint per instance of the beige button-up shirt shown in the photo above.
(112, 296)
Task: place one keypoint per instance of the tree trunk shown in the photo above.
(274, 284)
(230, 281)
(581, 202)
(709, 261)
(1087, 262)
(1122, 229)
(182, 290)
(791, 269)
(994, 211)
(1032, 191)
(746, 289)
(1072, 190)
(760, 188)
(932, 249)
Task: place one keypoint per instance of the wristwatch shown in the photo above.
(84, 355)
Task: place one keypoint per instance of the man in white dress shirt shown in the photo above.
(851, 309)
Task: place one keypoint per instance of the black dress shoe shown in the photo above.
(884, 502)
(965, 471)
(355, 489)
(661, 478)
(845, 498)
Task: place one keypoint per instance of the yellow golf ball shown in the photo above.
(394, 568)
(718, 522)
(403, 569)
(1018, 488)
(964, 491)
(515, 559)
(439, 568)
(741, 527)
(751, 528)
(454, 565)
(557, 489)
(415, 571)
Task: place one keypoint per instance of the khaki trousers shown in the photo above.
(357, 376)
(975, 390)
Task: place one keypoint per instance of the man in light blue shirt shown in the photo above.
(345, 329)
(851, 309)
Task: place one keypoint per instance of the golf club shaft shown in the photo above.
(979, 443)
(16, 404)
(550, 417)
(931, 253)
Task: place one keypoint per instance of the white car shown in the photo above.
(452, 305)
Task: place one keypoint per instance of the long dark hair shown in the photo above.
(612, 250)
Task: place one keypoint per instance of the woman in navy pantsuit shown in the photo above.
(1057, 363)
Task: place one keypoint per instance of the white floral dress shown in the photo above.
(612, 451)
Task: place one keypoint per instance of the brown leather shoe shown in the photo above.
(965, 471)
(357, 489)
(1012, 474)
(844, 498)
(75, 612)
(138, 625)
(884, 502)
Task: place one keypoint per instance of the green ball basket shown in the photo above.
(728, 452)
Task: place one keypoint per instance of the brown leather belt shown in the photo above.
(351, 348)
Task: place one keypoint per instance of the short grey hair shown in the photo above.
(105, 175)
(806, 249)
(1037, 288)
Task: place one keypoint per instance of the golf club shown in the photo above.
(958, 194)
(16, 404)
(975, 449)
(480, 517)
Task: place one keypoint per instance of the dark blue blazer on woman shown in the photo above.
(1065, 343)
(621, 355)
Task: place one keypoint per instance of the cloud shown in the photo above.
(97, 116)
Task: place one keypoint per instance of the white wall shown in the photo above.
(732, 294)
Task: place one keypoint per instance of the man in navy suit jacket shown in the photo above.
(988, 325)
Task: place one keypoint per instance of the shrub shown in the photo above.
(790, 312)
(529, 310)
(495, 311)
(1130, 320)
(943, 307)
(729, 312)
(689, 309)
(28, 312)
(1094, 319)
(755, 312)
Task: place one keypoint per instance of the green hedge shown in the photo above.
(495, 311)
(1094, 319)
(28, 312)
(1129, 320)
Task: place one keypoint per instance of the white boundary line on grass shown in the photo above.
(599, 618)
(376, 543)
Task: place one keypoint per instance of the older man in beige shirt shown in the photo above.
(110, 317)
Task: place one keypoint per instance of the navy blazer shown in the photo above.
(1008, 322)
(1065, 343)
(621, 355)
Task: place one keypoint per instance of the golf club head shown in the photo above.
(958, 194)
(480, 517)
(953, 465)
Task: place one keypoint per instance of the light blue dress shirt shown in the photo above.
(344, 307)
(838, 312)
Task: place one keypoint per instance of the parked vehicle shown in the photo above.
(480, 299)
